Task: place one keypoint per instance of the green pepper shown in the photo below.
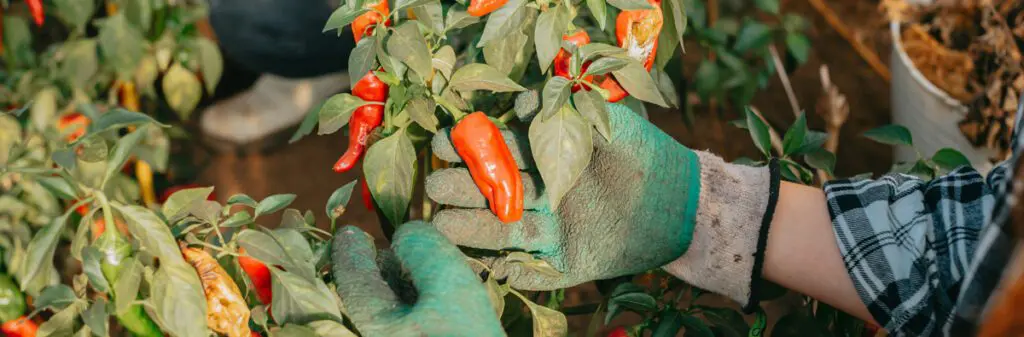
(12, 302)
(116, 249)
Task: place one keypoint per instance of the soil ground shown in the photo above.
(303, 168)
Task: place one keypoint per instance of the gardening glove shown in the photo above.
(643, 201)
(448, 297)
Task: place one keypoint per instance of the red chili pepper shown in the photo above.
(100, 226)
(637, 32)
(562, 59)
(363, 120)
(484, 7)
(72, 125)
(21, 327)
(36, 7)
(367, 196)
(618, 332)
(480, 144)
(170, 190)
(363, 24)
(259, 274)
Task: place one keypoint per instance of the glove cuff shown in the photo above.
(733, 212)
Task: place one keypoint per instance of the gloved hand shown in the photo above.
(642, 202)
(443, 298)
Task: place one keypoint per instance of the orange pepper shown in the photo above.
(637, 32)
(21, 327)
(562, 59)
(72, 126)
(481, 145)
(483, 7)
(362, 25)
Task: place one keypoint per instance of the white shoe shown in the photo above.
(273, 104)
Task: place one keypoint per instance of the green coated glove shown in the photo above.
(443, 298)
(637, 206)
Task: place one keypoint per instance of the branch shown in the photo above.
(781, 69)
(865, 53)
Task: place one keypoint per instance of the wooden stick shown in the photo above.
(781, 69)
(865, 53)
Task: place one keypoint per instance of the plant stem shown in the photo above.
(784, 78)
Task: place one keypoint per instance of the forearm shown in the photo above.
(802, 253)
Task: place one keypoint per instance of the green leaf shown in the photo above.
(127, 285)
(794, 138)
(444, 60)
(336, 112)
(390, 170)
(299, 300)
(500, 23)
(118, 118)
(669, 323)
(753, 35)
(58, 186)
(770, 6)
(639, 84)
(599, 10)
(139, 12)
(180, 201)
(727, 321)
(812, 140)
(665, 86)
(496, 294)
(799, 46)
(96, 318)
(530, 262)
(274, 203)
(55, 297)
(421, 110)
(760, 324)
(17, 40)
(606, 65)
(596, 49)
(640, 302)
(243, 200)
(62, 323)
(330, 329)
(630, 4)
(336, 203)
(408, 45)
(122, 150)
(547, 322)
(758, 132)
(592, 106)
(696, 327)
(556, 93)
(80, 62)
(403, 4)
(707, 78)
(308, 122)
(362, 60)
(210, 62)
(502, 54)
(551, 25)
(671, 32)
(91, 258)
(178, 300)
(430, 15)
(121, 44)
(341, 17)
(36, 270)
(479, 76)
(152, 234)
(950, 159)
(822, 160)
(891, 134)
(44, 108)
(562, 149)
(182, 90)
(76, 13)
(460, 19)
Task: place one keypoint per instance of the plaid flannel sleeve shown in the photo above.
(907, 243)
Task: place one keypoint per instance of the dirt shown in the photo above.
(304, 168)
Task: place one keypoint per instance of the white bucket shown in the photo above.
(931, 115)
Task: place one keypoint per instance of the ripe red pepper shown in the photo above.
(637, 32)
(480, 144)
(562, 59)
(20, 327)
(618, 332)
(484, 7)
(36, 7)
(367, 196)
(363, 24)
(259, 274)
(363, 120)
(72, 125)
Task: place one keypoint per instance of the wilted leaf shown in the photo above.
(182, 90)
(891, 134)
(530, 262)
(336, 112)
(562, 148)
(390, 169)
(336, 203)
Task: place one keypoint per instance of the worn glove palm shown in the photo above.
(631, 210)
(447, 298)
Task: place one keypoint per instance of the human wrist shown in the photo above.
(729, 230)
